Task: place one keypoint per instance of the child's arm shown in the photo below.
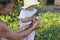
(27, 19)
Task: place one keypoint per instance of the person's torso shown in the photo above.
(28, 14)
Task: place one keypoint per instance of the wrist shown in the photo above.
(32, 28)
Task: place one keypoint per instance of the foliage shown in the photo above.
(50, 29)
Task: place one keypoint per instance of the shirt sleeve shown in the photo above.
(22, 14)
(35, 10)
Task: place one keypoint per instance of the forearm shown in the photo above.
(23, 28)
(25, 33)
(11, 35)
(27, 19)
(15, 35)
(28, 31)
(8, 33)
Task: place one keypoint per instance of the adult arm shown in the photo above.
(8, 33)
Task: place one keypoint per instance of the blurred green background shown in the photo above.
(50, 29)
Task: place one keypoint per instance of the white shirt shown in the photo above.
(26, 13)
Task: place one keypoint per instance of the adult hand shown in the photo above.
(36, 25)
(23, 28)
